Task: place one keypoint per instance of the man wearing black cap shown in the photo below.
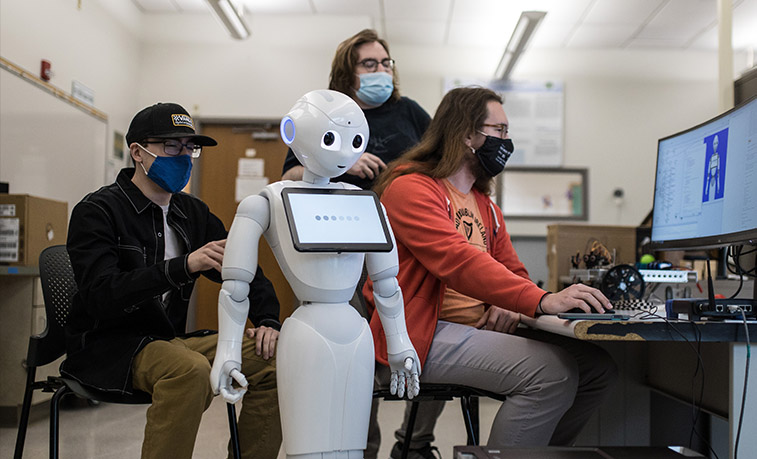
(137, 246)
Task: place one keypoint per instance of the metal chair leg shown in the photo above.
(470, 428)
(25, 409)
(409, 429)
(234, 431)
(54, 421)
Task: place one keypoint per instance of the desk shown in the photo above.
(731, 333)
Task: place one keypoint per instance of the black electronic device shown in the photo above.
(720, 308)
(623, 282)
(336, 220)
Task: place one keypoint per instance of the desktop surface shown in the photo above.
(576, 452)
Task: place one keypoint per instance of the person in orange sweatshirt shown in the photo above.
(465, 287)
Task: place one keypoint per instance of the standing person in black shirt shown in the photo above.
(136, 247)
(363, 70)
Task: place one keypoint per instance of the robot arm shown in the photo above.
(403, 360)
(240, 262)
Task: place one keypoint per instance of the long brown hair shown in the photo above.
(342, 76)
(442, 149)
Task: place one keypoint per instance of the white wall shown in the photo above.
(617, 103)
(86, 45)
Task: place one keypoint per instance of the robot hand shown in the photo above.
(222, 376)
(406, 372)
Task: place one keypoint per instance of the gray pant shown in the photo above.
(553, 383)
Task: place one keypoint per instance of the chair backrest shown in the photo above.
(58, 290)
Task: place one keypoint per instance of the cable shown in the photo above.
(700, 364)
(746, 381)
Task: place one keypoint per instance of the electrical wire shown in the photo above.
(696, 404)
(746, 381)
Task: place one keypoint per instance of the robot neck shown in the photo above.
(308, 176)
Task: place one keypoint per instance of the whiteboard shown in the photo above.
(49, 147)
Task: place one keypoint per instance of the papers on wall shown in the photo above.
(250, 177)
(535, 110)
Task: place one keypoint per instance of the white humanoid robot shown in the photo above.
(316, 229)
(713, 172)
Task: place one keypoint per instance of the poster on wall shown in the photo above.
(535, 110)
(117, 159)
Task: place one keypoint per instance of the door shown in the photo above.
(216, 176)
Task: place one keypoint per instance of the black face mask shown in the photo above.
(494, 153)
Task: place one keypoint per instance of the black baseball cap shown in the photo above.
(165, 121)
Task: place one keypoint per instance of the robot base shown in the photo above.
(325, 366)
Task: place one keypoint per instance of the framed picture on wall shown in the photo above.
(544, 193)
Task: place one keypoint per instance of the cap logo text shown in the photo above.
(182, 120)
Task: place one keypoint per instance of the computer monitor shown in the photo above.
(706, 185)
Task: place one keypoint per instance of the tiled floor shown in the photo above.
(115, 431)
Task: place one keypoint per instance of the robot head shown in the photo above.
(327, 131)
(715, 144)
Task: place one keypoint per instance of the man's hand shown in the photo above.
(499, 319)
(368, 166)
(265, 340)
(576, 296)
(209, 256)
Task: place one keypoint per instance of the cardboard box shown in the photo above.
(28, 225)
(564, 241)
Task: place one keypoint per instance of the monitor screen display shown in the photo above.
(328, 220)
(706, 185)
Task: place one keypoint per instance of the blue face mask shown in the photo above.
(169, 172)
(375, 88)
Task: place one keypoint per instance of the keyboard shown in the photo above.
(638, 308)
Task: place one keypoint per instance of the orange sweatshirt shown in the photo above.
(433, 255)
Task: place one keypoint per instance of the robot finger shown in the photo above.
(408, 363)
(401, 384)
(238, 377)
(393, 383)
(414, 386)
(232, 395)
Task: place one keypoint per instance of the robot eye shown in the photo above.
(357, 142)
(331, 140)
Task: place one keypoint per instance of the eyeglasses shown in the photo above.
(501, 129)
(371, 64)
(174, 147)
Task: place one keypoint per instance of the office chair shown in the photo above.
(58, 289)
(468, 395)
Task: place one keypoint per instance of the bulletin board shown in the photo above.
(543, 193)
(51, 145)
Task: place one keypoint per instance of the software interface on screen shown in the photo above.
(707, 179)
(336, 220)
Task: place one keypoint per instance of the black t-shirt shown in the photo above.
(394, 128)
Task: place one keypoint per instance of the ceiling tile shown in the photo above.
(621, 11)
(191, 6)
(424, 10)
(277, 6)
(407, 32)
(601, 36)
(156, 6)
(680, 20)
(351, 7)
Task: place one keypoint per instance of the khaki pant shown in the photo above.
(177, 375)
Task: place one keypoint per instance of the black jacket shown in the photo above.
(116, 245)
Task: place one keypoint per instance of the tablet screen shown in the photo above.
(328, 220)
